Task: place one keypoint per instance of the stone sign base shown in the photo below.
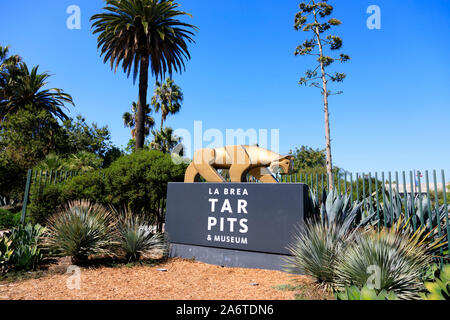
(229, 258)
(235, 224)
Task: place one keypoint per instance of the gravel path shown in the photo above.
(183, 280)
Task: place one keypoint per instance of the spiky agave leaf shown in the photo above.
(136, 237)
(81, 229)
(315, 252)
(392, 258)
(337, 209)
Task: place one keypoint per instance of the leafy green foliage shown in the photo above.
(354, 293)
(307, 157)
(28, 137)
(440, 288)
(137, 182)
(79, 136)
(136, 237)
(33, 124)
(6, 253)
(26, 242)
(8, 219)
(81, 229)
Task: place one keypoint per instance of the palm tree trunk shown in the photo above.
(142, 102)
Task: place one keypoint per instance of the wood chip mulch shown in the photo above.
(183, 280)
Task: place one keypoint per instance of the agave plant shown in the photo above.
(136, 237)
(315, 252)
(417, 207)
(419, 211)
(81, 229)
(26, 242)
(393, 258)
(337, 209)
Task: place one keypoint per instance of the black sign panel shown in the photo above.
(242, 216)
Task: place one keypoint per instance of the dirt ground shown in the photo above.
(178, 280)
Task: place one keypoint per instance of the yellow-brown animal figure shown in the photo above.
(240, 160)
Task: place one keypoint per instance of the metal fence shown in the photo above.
(43, 178)
(423, 198)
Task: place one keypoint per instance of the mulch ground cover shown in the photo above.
(174, 279)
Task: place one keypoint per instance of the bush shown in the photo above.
(137, 182)
(135, 237)
(81, 229)
(8, 219)
(6, 252)
(315, 252)
(392, 258)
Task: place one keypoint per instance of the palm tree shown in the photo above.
(22, 88)
(143, 34)
(167, 98)
(164, 140)
(129, 120)
(6, 60)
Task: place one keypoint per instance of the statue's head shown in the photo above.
(286, 164)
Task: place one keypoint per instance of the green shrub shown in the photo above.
(440, 288)
(135, 237)
(137, 182)
(44, 201)
(354, 293)
(81, 229)
(8, 219)
(26, 243)
(392, 258)
(6, 252)
(315, 252)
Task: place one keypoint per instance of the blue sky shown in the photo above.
(394, 113)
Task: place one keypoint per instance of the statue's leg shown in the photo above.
(191, 174)
(240, 163)
(203, 161)
(263, 174)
